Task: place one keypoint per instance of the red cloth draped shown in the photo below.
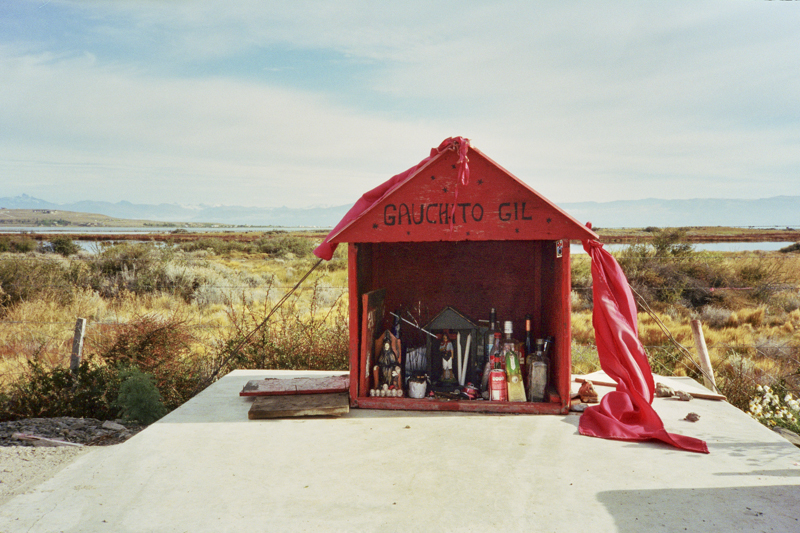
(627, 413)
(370, 198)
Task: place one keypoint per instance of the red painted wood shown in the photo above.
(354, 319)
(515, 277)
(563, 377)
(372, 317)
(496, 248)
(410, 404)
(494, 205)
(282, 387)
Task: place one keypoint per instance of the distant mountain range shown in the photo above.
(781, 211)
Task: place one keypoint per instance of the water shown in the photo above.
(574, 248)
(146, 231)
(704, 247)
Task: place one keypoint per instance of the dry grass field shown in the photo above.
(177, 311)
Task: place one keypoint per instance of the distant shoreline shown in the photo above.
(248, 234)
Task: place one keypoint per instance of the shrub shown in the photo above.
(775, 408)
(791, 248)
(715, 317)
(158, 346)
(216, 245)
(26, 278)
(23, 245)
(311, 338)
(64, 246)
(284, 245)
(139, 399)
(51, 392)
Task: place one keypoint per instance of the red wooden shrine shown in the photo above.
(434, 242)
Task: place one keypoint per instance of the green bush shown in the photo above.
(140, 268)
(160, 347)
(26, 278)
(216, 245)
(139, 399)
(23, 245)
(51, 392)
(64, 246)
(283, 245)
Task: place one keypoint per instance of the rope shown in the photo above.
(671, 338)
(244, 341)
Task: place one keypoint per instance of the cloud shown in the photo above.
(111, 129)
(200, 101)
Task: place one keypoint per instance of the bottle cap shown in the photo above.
(508, 327)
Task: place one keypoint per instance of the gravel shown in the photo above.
(25, 464)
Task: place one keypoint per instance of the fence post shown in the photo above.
(77, 348)
(705, 360)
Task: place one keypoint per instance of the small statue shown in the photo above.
(388, 367)
(446, 349)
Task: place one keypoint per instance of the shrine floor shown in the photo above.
(206, 467)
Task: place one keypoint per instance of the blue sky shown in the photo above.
(262, 103)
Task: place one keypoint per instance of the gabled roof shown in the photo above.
(431, 204)
(449, 318)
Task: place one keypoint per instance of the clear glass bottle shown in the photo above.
(492, 360)
(537, 375)
(489, 337)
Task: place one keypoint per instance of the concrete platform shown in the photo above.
(206, 467)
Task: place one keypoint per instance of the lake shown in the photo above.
(145, 231)
(705, 247)
(574, 248)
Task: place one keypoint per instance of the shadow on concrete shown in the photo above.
(772, 508)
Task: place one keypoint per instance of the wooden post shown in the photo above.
(77, 348)
(705, 360)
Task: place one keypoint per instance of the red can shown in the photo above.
(498, 389)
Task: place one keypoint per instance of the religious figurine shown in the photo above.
(388, 365)
(446, 350)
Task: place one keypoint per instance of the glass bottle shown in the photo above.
(490, 334)
(537, 375)
(511, 357)
(492, 361)
(528, 339)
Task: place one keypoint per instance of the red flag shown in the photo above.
(370, 198)
(627, 413)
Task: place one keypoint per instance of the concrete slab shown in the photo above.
(206, 467)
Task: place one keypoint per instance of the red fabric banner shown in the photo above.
(627, 413)
(370, 198)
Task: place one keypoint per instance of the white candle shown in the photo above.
(463, 376)
(458, 342)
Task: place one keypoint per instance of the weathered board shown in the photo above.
(266, 407)
(677, 383)
(432, 205)
(283, 387)
(372, 320)
(433, 241)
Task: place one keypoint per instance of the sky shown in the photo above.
(301, 104)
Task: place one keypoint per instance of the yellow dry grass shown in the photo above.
(239, 285)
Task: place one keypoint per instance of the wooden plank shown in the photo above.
(371, 323)
(353, 254)
(266, 407)
(282, 387)
(432, 206)
(601, 379)
(411, 404)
